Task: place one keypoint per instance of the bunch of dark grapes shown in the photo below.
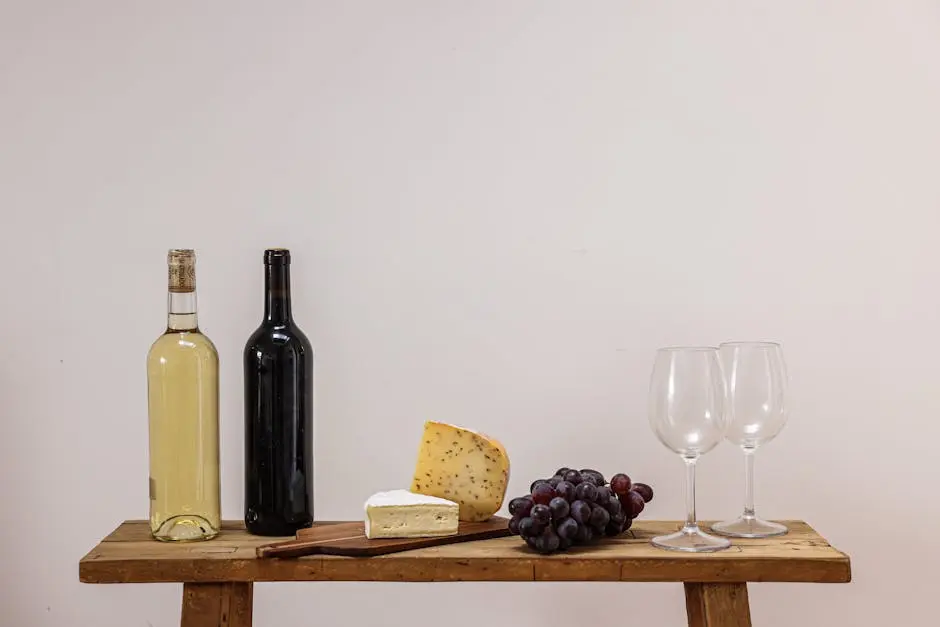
(575, 507)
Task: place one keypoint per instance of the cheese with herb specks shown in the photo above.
(464, 466)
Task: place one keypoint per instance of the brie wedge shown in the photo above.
(405, 514)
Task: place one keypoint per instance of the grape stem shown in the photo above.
(690, 524)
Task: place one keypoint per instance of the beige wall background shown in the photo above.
(498, 210)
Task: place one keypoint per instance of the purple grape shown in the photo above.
(598, 477)
(643, 490)
(567, 528)
(636, 504)
(566, 490)
(581, 512)
(514, 525)
(554, 481)
(543, 494)
(586, 491)
(620, 483)
(585, 534)
(541, 514)
(564, 543)
(619, 518)
(547, 542)
(530, 540)
(536, 484)
(589, 479)
(627, 524)
(528, 527)
(613, 506)
(573, 476)
(603, 495)
(561, 471)
(559, 508)
(599, 518)
(613, 529)
(626, 504)
(521, 506)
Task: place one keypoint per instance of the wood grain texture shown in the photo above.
(217, 605)
(717, 605)
(129, 555)
(349, 539)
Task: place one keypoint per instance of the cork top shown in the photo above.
(181, 263)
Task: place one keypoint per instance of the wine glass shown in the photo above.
(687, 414)
(756, 381)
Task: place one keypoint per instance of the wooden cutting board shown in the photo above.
(349, 539)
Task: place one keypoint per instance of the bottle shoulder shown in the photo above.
(301, 336)
(183, 343)
(279, 335)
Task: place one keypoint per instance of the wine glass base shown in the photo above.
(749, 527)
(692, 540)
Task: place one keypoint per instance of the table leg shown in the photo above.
(216, 605)
(717, 605)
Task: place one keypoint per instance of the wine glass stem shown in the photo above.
(749, 482)
(690, 492)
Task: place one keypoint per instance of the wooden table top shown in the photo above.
(129, 555)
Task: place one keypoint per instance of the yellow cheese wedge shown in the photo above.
(463, 466)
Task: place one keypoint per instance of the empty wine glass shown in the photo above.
(687, 414)
(756, 382)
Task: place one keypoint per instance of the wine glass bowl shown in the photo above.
(687, 414)
(756, 383)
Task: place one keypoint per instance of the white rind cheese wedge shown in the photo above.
(464, 466)
(404, 514)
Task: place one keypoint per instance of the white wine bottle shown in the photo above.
(183, 391)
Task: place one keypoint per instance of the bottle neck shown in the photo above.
(181, 308)
(277, 293)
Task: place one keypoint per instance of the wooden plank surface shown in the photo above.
(128, 555)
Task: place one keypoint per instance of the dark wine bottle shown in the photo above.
(278, 412)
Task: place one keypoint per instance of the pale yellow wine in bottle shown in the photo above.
(183, 391)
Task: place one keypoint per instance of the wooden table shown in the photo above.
(218, 575)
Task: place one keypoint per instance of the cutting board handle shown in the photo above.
(288, 548)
